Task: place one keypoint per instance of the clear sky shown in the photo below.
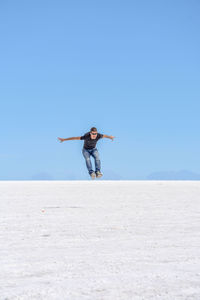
(129, 68)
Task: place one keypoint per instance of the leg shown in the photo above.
(95, 154)
(86, 155)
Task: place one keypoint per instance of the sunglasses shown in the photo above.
(93, 133)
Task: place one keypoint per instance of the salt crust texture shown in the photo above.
(100, 240)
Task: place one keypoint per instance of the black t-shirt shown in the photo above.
(88, 142)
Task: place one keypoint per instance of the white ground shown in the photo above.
(99, 240)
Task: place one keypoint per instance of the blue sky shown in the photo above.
(130, 68)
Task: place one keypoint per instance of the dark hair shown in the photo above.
(93, 129)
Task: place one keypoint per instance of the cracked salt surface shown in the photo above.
(100, 240)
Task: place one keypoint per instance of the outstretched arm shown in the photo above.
(108, 136)
(69, 139)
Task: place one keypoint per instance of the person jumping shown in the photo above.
(89, 148)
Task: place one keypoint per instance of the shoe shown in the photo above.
(98, 174)
(93, 175)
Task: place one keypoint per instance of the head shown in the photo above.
(93, 133)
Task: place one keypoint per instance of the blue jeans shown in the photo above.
(94, 152)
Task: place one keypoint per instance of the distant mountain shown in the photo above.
(111, 175)
(41, 176)
(174, 175)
